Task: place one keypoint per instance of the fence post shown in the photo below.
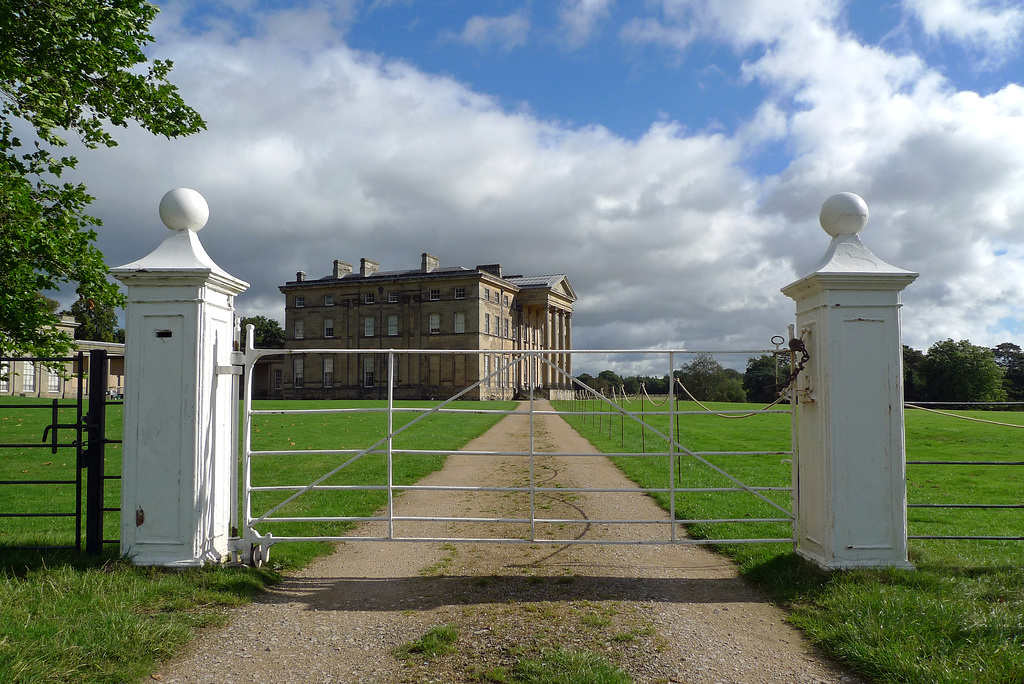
(178, 447)
(851, 469)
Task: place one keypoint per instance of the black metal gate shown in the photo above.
(85, 436)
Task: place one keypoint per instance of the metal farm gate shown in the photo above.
(80, 438)
(278, 507)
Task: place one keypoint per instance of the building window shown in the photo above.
(368, 325)
(460, 322)
(328, 327)
(297, 370)
(392, 297)
(328, 371)
(367, 371)
(506, 301)
(435, 295)
(393, 325)
(460, 293)
(497, 297)
(368, 298)
(53, 384)
(506, 328)
(28, 379)
(278, 378)
(328, 300)
(487, 294)
(5, 374)
(487, 370)
(300, 302)
(300, 330)
(435, 323)
(513, 332)
(487, 324)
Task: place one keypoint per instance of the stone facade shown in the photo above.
(26, 377)
(369, 312)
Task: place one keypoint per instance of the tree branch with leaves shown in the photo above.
(67, 67)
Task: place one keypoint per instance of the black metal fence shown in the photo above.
(84, 437)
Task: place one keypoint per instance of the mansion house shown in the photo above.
(478, 310)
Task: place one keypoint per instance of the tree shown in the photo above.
(1011, 359)
(961, 371)
(765, 376)
(96, 321)
(267, 333)
(913, 378)
(707, 380)
(67, 67)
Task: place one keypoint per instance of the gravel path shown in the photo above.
(662, 613)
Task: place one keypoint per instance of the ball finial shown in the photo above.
(184, 209)
(843, 214)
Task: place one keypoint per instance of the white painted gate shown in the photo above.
(271, 500)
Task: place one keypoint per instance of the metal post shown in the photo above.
(391, 433)
(673, 436)
(97, 431)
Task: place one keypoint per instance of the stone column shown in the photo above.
(851, 464)
(176, 492)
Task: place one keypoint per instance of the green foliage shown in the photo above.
(69, 66)
(765, 376)
(1011, 359)
(913, 374)
(267, 333)
(707, 380)
(97, 321)
(961, 371)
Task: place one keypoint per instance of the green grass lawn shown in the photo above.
(958, 618)
(71, 618)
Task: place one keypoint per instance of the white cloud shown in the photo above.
(580, 18)
(330, 153)
(498, 33)
(992, 28)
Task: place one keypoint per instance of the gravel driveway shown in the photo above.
(662, 613)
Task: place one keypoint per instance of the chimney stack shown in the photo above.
(429, 263)
(341, 268)
(300, 276)
(367, 267)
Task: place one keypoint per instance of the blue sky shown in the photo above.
(669, 156)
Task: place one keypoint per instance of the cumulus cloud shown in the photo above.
(992, 28)
(323, 152)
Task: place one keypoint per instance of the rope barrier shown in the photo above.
(725, 415)
(664, 401)
(953, 415)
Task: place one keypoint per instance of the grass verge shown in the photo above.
(69, 618)
(956, 618)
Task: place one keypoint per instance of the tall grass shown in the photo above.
(959, 617)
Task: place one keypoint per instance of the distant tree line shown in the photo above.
(706, 379)
(961, 371)
(948, 371)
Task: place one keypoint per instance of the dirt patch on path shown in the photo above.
(662, 613)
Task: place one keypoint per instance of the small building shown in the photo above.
(430, 308)
(27, 377)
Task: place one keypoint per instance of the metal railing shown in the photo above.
(530, 363)
(958, 464)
